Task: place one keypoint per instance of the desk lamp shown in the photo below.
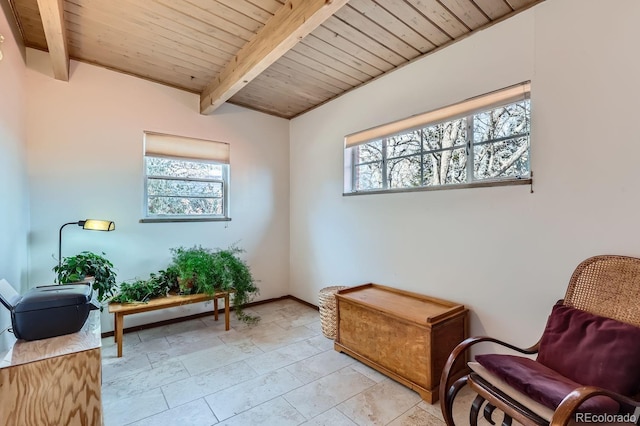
(90, 224)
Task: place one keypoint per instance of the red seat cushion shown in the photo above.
(592, 350)
(541, 383)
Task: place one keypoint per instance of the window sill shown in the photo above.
(483, 184)
(183, 219)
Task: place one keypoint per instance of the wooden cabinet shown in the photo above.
(54, 381)
(406, 336)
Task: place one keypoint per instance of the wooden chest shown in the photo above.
(406, 336)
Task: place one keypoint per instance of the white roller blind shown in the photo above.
(183, 147)
(491, 100)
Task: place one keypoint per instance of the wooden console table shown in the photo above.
(121, 309)
(406, 336)
(54, 381)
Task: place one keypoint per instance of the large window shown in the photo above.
(479, 141)
(185, 178)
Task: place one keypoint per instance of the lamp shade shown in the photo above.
(91, 225)
(98, 225)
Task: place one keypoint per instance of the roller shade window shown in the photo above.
(509, 95)
(483, 141)
(162, 145)
(186, 179)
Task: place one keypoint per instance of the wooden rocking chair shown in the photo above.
(603, 297)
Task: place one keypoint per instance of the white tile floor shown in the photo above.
(280, 372)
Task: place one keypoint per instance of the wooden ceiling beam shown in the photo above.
(52, 13)
(290, 24)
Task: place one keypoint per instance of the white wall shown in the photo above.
(14, 214)
(505, 253)
(85, 161)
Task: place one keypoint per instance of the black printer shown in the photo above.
(48, 311)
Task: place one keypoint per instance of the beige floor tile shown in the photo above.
(369, 372)
(433, 409)
(117, 368)
(177, 350)
(462, 405)
(321, 342)
(268, 307)
(125, 408)
(167, 330)
(276, 412)
(287, 355)
(192, 388)
(315, 326)
(250, 331)
(295, 308)
(461, 408)
(218, 356)
(331, 417)
(323, 394)
(283, 313)
(178, 374)
(418, 417)
(379, 404)
(133, 349)
(195, 413)
(276, 305)
(163, 374)
(246, 395)
(266, 317)
(320, 365)
(198, 335)
(277, 339)
(234, 322)
(129, 338)
(298, 318)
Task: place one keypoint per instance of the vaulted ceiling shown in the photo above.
(280, 57)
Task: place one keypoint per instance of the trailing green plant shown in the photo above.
(230, 272)
(138, 291)
(214, 270)
(157, 285)
(87, 264)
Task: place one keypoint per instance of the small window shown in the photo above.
(484, 139)
(185, 178)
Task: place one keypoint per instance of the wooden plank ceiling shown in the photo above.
(282, 58)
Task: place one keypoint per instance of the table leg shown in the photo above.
(226, 311)
(115, 327)
(215, 308)
(119, 327)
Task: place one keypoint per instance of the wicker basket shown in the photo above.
(327, 307)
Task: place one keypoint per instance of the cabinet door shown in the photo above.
(63, 390)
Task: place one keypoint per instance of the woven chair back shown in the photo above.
(608, 286)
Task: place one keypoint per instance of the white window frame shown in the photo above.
(462, 110)
(159, 145)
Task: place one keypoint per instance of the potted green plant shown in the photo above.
(209, 271)
(142, 290)
(87, 264)
(193, 267)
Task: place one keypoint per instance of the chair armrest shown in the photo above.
(457, 355)
(565, 411)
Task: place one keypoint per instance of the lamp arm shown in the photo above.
(60, 245)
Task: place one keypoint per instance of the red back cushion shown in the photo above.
(592, 350)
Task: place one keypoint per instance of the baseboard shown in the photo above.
(304, 302)
(205, 314)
